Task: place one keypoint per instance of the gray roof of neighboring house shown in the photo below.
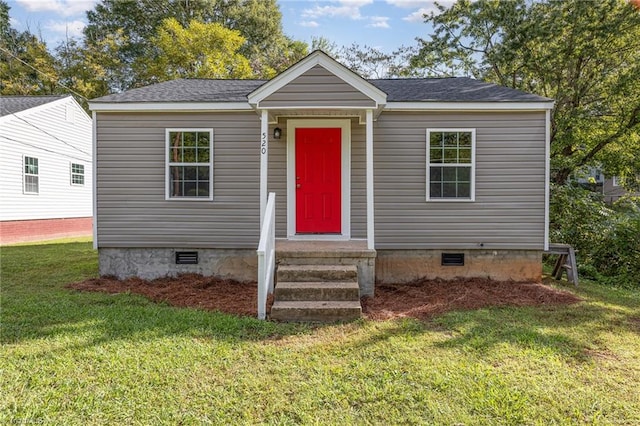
(458, 89)
(13, 104)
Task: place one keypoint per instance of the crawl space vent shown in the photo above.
(452, 259)
(186, 258)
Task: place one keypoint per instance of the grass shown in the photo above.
(87, 358)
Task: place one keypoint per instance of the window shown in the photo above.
(77, 174)
(189, 163)
(31, 179)
(616, 181)
(451, 164)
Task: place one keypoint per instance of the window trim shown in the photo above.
(25, 174)
(615, 181)
(472, 165)
(71, 173)
(168, 164)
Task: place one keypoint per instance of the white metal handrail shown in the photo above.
(267, 255)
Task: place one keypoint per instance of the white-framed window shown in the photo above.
(451, 164)
(31, 179)
(77, 174)
(616, 181)
(189, 165)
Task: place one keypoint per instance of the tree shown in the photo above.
(584, 55)
(369, 62)
(366, 61)
(199, 51)
(87, 69)
(327, 46)
(26, 66)
(258, 21)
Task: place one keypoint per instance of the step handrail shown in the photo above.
(266, 256)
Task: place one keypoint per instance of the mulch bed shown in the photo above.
(421, 299)
(187, 290)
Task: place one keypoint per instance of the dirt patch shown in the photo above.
(423, 299)
(420, 299)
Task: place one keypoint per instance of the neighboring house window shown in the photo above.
(190, 163)
(616, 181)
(77, 174)
(31, 179)
(451, 164)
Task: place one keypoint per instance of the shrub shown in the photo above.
(607, 238)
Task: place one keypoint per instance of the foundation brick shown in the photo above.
(19, 231)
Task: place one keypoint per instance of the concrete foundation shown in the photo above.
(151, 263)
(401, 266)
(381, 266)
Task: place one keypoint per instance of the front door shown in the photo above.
(318, 180)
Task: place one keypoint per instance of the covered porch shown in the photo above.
(316, 157)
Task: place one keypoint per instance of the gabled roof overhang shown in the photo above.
(316, 58)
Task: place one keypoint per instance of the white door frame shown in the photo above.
(345, 126)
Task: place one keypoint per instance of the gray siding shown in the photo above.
(508, 211)
(317, 87)
(358, 180)
(132, 210)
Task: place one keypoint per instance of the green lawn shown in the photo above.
(87, 358)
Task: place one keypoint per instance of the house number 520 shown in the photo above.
(263, 145)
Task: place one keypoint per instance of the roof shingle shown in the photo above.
(456, 89)
(13, 104)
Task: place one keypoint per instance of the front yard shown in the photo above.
(73, 357)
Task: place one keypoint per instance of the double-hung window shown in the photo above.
(31, 177)
(189, 166)
(77, 174)
(451, 164)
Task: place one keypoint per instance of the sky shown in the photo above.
(383, 24)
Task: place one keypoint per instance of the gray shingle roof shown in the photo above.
(13, 104)
(459, 89)
(455, 89)
(188, 90)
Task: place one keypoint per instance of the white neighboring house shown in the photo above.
(46, 162)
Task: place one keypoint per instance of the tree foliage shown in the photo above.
(88, 70)
(257, 21)
(367, 61)
(605, 237)
(26, 66)
(200, 51)
(584, 55)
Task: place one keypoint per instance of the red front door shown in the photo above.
(318, 181)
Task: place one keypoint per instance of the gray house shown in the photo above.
(405, 178)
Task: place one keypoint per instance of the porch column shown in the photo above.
(369, 149)
(264, 163)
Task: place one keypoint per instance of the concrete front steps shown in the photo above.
(316, 293)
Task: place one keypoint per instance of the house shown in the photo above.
(613, 190)
(46, 162)
(409, 178)
(610, 187)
